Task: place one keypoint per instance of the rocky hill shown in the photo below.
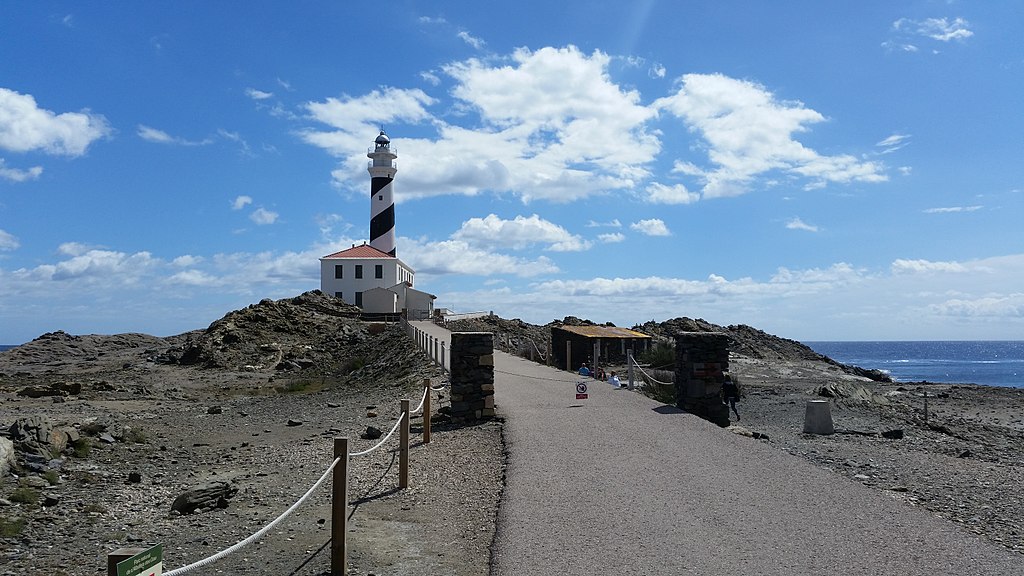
(517, 337)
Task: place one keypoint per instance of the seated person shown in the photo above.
(614, 380)
(584, 371)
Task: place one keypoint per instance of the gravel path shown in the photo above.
(618, 484)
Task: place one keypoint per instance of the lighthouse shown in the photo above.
(382, 170)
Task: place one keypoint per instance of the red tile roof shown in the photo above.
(361, 251)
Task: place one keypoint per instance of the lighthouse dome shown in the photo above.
(382, 139)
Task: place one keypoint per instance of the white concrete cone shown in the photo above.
(818, 418)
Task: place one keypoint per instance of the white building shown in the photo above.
(370, 275)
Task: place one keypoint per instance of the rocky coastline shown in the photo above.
(99, 435)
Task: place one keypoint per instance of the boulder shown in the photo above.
(204, 496)
(35, 435)
(7, 456)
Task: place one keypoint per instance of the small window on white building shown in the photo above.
(359, 298)
(338, 295)
(339, 271)
(359, 270)
(378, 271)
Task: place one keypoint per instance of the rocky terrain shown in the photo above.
(105, 433)
(102, 434)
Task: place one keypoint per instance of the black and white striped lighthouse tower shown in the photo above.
(382, 170)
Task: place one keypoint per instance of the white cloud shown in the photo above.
(8, 241)
(431, 78)
(553, 125)
(652, 227)
(893, 143)
(953, 209)
(941, 29)
(890, 46)
(611, 238)
(187, 260)
(262, 216)
(991, 307)
(154, 135)
(258, 94)
(241, 202)
(797, 224)
(459, 257)
(903, 266)
(24, 127)
(613, 223)
(18, 174)
(518, 233)
(658, 193)
(750, 132)
(433, 20)
(473, 41)
(657, 70)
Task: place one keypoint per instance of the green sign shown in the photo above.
(148, 563)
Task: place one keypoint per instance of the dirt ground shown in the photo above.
(187, 426)
(177, 427)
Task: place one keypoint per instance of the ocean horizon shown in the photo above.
(986, 362)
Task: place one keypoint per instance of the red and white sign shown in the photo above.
(581, 391)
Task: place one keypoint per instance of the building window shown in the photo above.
(378, 271)
(359, 299)
(381, 197)
(338, 295)
(359, 270)
(339, 271)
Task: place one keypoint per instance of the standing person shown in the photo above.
(731, 394)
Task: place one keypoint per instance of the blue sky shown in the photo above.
(822, 171)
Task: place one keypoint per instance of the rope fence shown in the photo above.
(339, 468)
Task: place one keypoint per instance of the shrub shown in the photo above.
(299, 387)
(25, 496)
(81, 448)
(661, 357)
(135, 435)
(52, 477)
(11, 527)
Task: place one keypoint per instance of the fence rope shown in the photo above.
(651, 378)
(257, 535)
(385, 439)
(426, 390)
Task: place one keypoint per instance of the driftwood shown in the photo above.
(209, 495)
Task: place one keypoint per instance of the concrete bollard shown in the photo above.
(818, 418)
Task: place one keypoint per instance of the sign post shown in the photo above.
(147, 563)
(581, 391)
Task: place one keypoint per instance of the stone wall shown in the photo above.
(472, 376)
(702, 359)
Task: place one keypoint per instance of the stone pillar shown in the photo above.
(472, 376)
(702, 359)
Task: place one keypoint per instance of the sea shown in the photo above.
(991, 363)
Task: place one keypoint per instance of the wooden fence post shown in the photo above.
(339, 509)
(403, 449)
(568, 356)
(426, 413)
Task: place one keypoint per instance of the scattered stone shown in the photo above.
(292, 422)
(372, 433)
(106, 438)
(896, 434)
(134, 477)
(204, 496)
(215, 410)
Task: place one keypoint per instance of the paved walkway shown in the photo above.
(619, 484)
